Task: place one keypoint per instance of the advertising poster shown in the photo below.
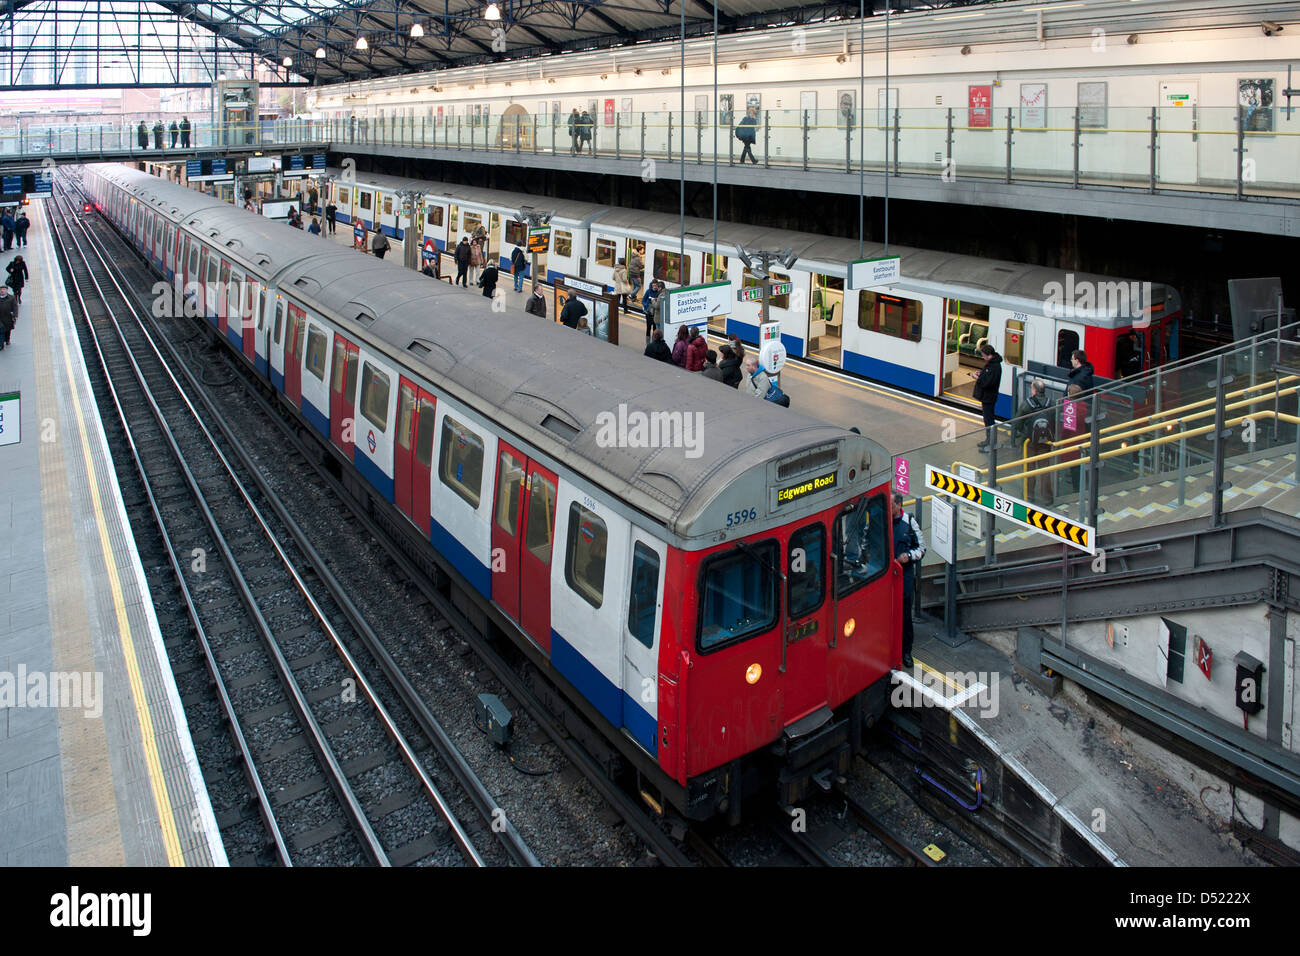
(980, 113)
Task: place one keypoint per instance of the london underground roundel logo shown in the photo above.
(430, 250)
(370, 440)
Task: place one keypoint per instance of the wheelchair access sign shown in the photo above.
(1080, 536)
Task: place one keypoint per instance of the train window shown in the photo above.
(455, 217)
(709, 275)
(891, 315)
(405, 411)
(336, 376)
(225, 280)
(541, 517)
(279, 320)
(424, 432)
(861, 544)
(435, 216)
(563, 243)
(316, 347)
(584, 562)
(806, 578)
(644, 598)
(460, 461)
(194, 259)
(374, 396)
(510, 482)
(777, 301)
(968, 326)
(388, 205)
(365, 199)
(606, 252)
(1128, 355)
(212, 271)
(1067, 340)
(472, 221)
(667, 266)
(345, 195)
(516, 233)
(1013, 343)
(738, 594)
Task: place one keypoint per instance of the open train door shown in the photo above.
(535, 555)
(294, 343)
(343, 396)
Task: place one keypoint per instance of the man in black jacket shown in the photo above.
(1081, 374)
(462, 257)
(658, 348)
(573, 311)
(986, 388)
(536, 304)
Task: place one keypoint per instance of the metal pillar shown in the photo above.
(1008, 177)
(1077, 143)
(1220, 442)
(805, 141)
(1153, 146)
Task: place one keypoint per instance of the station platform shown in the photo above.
(1106, 785)
(97, 767)
(896, 419)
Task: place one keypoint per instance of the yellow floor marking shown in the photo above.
(947, 681)
(171, 839)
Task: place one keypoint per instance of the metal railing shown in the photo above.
(90, 140)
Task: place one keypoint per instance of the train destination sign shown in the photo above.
(794, 492)
(755, 293)
(1076, 535)
(539, 237)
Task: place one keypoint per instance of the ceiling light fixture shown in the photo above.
(493, 12)
(320, 53)
(362, 44)
(287, 61)
(417, 31)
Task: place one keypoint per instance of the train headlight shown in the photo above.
(849, 625)
(752, 673)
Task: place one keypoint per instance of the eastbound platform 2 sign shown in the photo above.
(1080, 536)
(10, 433)
(869, 273)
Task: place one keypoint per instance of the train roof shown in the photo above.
(1013, 285)
(544, 382)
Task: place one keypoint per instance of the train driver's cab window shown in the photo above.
(668, 266)
(861, 543)
(1128, 354)
(777, 301)
(584, 560)
(460, 461)
(563, 243)
(644, 599)
(1067, 340)
(738, 598)
(374, 397)
(316, 344)
(805, 572)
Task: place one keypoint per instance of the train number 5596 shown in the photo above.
(740, 517)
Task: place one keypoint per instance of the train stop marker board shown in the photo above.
(1076, 535)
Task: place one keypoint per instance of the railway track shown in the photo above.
(331, 776)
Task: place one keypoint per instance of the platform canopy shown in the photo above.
(121, 43)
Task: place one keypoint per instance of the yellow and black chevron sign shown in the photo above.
(942, 481)
(1060, 527)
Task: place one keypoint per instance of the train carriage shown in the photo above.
(720, 602)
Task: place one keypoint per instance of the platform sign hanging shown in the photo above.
(754, 293)
(870, 273)
(696, 304)
(1076, 535)
(539, 238)
(10, 431)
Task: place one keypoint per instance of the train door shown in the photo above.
(417, 411)
(1178, 122)
(365, 208)
(294, 336)
(808, 624)
(826, 318)
(221, 295)
(234, 314)
(507, 528)
(644, 612)
(493, 251)
(343, 397)
(1069, 336)
(275, 350)
(200, 277)
(966, 328)
(252, 300)
(535, 555)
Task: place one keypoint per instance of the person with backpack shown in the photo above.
(585, 125)
(379, 245)
(747, 133)
(574, 310)
(518, 267)
(1038, 488)
(729, 367)
(1036, 402)
(908, 552)
(755, 382)
(18, 276)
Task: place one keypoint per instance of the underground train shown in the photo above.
(921, 333)
(707, 577)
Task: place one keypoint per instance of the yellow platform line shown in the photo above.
(158, 783)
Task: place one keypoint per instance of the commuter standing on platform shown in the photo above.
(18, 277)
(908, 551)
(754, 382)
(158, 135)
(1082, 372)
(729, 367)
(697, 348)
(518, 267)
(379, 245)
(649, 303)
(462, 257)
(536, 304)
(574, 310)
(658, 348)
(7, 224)
(622, 284)
(142, 135)
(987, 384)
(574, 120)
(331, 211)
(8, 314)
(488, 281)
(175, 131)
(711, 369)
(185, 132)
(681, 346)
(20, 227)
(584, 128)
